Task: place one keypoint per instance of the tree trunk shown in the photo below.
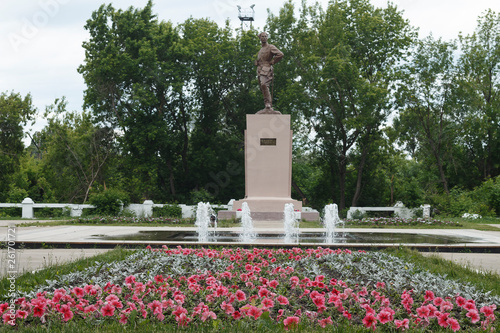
(392, 190)
(441, 172)
(172, 183)
(299, 191)
(361, 166)
(342, 177)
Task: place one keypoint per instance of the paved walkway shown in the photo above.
(30, 260)
(89, 235)
(482, 262)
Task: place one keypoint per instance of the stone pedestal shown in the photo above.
(268, 166)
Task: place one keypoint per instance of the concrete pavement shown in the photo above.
(90, 236)
(30, 260)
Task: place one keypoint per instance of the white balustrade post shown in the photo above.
(147, 208)
(426, 213)
(27, 206)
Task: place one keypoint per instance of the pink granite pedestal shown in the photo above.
(268, 168)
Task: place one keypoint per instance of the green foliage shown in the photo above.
(76, 153)
(15, 112)
(167, 210)
(357, 215)
(201, 195)
(108, 202)
(338, 76)
(483, 200)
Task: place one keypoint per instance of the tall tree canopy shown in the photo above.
(342, 60)
(15, 113)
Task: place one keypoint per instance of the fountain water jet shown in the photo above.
(247, 234)
(203, 217)
(291, 224)
(331, 220)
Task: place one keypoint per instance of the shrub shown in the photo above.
(168, 210)
(201, 195)
(109, 202)
(489, 194)
(357, 215)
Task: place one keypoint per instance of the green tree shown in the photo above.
(344, 58)
(427, 104)
(135, 80)
(76, 153)
(15, 113)
(478, 95)
(215, 80)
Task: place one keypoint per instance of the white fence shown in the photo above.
(141, 210)
(399, 209)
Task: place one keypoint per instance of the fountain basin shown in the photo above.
(351, 237)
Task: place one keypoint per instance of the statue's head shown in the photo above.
(263, 36)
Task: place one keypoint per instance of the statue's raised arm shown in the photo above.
(267, 57)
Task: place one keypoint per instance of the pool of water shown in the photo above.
(305, 237)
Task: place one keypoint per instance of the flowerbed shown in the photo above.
(398, 221)
(248, 287)
(130, 220)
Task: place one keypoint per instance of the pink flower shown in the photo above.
(236, 315)
(3, 307)
(79, 292)
(9, 318)
(319, 301)
(108, 310)
(324, 322)
(473, 315)
(403, 324)
(453, 324)
(123, 319)
(228, 308)
(487, 310)
(437, 301)
(273, 284)
(470, 305)
(370, 321)
(347, 315)
(208, 314)
(254, 312)
(443, 319)
(267, 303)
(460, 301)
(38, 311)
(182, 320)
(156, 307)
(384, 316)
(23, 314)
(282, 300)
(291, 322)
(240, 295)
(429, 295)
(446, 306)
(130, 279)
(423, 311)
(380, 285)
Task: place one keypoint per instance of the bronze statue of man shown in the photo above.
(267, 57)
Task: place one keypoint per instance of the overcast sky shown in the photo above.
(40, 40)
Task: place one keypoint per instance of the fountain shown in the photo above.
(204, 216)
(247, 233)
(291, 225)
(331, 220)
